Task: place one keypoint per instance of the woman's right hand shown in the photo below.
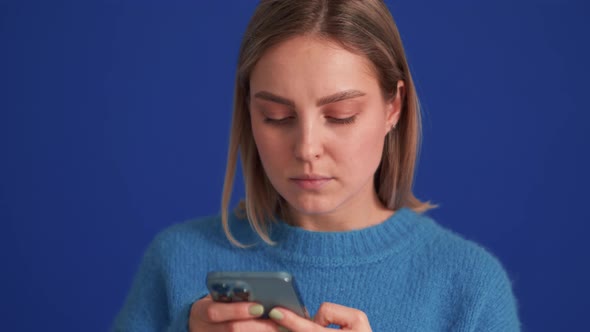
(208, 315)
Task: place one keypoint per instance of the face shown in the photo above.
(319, 120)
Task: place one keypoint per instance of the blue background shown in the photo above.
(114, 120)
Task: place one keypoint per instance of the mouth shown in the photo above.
(311, 181)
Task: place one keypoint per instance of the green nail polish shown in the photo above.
(256, 310)
(275, 314)
(283, 329)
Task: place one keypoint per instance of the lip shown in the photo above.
(311, 181)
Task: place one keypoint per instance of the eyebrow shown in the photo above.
(333, 98)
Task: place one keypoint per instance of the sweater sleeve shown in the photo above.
(146, 306)
(498, 311)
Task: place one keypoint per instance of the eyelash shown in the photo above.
(284, 121)
(278, 122)
(349, 120)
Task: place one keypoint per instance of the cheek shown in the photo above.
(270, 149)
(363, 151)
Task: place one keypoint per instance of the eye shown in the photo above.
(348, 120)
(281, 121)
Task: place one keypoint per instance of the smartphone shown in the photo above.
(270, 289)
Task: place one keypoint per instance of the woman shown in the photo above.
(327, 124)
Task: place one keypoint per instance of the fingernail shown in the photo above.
(275, 314)
(283, 329)
(256, 310)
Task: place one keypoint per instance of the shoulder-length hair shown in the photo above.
(363, 27)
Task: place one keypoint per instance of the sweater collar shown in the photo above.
(328, 247)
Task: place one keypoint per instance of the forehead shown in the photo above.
(313, 64)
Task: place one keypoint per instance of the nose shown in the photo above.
(308, 141)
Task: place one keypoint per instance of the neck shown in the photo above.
(348, 216)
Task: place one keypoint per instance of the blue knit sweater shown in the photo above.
(406, 274)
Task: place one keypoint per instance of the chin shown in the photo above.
(313, 206)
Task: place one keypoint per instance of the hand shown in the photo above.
(208, 315)
(329, 313)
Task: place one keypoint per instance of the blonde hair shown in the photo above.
(364, 27)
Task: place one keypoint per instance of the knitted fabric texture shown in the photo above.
(407, 274)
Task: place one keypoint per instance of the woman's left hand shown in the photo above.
(329, 313)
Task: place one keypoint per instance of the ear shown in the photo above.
(394, 106)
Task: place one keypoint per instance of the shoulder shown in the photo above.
(186, 233)
(450, 259)
(199, 233)
(468, 276)
(463, 258)
(471, 272)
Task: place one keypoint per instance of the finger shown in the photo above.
(290, 320)
(216, 312)
(345, 317)
(254, 324)
(258, 325)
